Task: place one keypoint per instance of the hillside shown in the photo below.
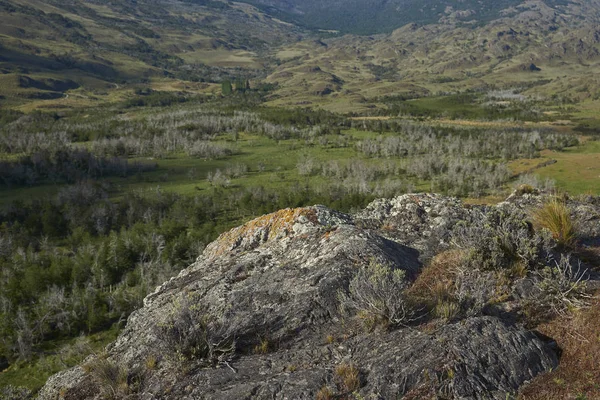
(380, 16)
(81, 54)
(535, 50)
(311, 303)
(50, 47)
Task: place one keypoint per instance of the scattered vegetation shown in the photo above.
(101, 204)
(325, 393)
(576, 334)
(10, 392)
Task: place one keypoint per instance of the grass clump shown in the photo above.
(325, 393)
(111, 378)
(555, 216)
(447, 310)
(263, 347)
(348, 377)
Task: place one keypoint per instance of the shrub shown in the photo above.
(189, 334)
(474, 289)
(561, 288)
(376, 295)
(497, 239)
(531, 184)
(555, 216)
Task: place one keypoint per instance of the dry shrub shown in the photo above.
(555, 216)
(524, 188)
(348, 377)
(578, 375)
(189, 334)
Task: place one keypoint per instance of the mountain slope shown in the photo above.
(378, 16)
(536, 49)
(130, 41)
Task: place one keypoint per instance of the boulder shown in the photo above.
(270, 290)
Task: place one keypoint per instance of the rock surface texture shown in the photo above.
(272, 288)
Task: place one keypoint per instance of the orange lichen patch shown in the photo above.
(328, 233)
(261, 229)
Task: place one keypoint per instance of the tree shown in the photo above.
(226, 88)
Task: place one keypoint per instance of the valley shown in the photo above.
(136, 135)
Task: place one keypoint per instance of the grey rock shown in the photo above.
(278, 278)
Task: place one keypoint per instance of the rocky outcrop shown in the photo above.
(270, 290)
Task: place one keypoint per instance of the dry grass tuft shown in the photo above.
(111, 378)
(446, 310)
(555, 216)
(325, 394)
(578, 376)
(263, 347)
(151, 363)
(435, 286)
(348, 377)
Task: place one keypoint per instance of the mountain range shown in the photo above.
(313, 53)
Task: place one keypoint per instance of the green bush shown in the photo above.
(376, 296)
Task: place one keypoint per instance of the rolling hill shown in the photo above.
(381, 16)
(536, 49)
(47, 46)
(83, 53)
